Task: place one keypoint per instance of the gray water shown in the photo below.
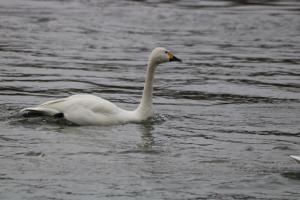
(225, 121)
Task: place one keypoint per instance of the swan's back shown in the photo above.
(86, 101)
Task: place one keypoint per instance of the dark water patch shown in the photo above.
(141, 151)
(12, 89)
(225, 98)
(107, 153)
(265, 60)
(185, 135)
(225, 196)
(273, 132)
(204, 5)
(32, 154)
(284, 148)
(22, 50)
(28, 94)
(51, 93)
(5, 177)
(65, 80)
(273, 3)
(44, 19)
(22, 75)
(54, 64)
(249, 148)
(6, 139)
(214, 161)
(292, 175)
(274, 73)
(255, 82)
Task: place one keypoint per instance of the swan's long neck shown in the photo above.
(145, 107)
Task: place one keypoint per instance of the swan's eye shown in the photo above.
(166, 52)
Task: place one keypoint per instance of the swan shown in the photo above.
(87, 109)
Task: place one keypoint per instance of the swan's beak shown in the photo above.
(173, 58)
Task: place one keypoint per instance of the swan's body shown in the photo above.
(86, 109)
(297, 158)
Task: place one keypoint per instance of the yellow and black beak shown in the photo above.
(172, 58)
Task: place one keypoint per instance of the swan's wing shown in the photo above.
(46, 111)
(86, 109)
(47, 103)
(80, 109)
(45, 108)
(88, 102)
(75, 102)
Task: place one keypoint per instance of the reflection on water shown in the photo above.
(147, 138)
(292, 175)
(226, 119)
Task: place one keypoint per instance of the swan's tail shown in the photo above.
(297, 158)
(40, 110)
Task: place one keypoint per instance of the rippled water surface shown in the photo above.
(226, 119)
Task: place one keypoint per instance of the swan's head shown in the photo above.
(162, 55)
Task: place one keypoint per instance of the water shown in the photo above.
(226, 119)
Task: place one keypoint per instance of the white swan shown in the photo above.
(86, 109)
